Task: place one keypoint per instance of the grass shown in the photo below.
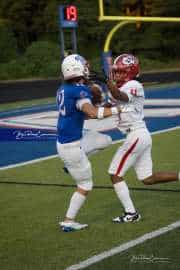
(154, 254)
(29, 232)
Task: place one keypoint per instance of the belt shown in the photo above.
(125, 131)
(128, 130)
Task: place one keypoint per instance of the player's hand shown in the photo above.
(110, 74)
(96, 91)
(111, 85)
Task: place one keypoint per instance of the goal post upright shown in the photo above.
(103, 17)
(124, 20)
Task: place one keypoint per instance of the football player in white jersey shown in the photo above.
(135, 152)
(74, 105)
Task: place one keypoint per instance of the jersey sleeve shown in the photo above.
(82, 96)
(81, 102)
(133, 89)
(81, 92)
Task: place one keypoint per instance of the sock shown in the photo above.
(77, 200)
(122, 192)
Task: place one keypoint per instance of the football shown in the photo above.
(97, 93)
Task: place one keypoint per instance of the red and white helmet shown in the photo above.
(125, 68)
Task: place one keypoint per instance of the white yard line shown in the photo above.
(53, 156)
(123, 247)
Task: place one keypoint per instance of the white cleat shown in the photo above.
(72, 226)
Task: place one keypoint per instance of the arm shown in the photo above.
(101, 112)
(115, 92)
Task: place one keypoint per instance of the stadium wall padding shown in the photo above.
(11, 91)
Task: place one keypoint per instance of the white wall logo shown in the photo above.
(48, 120)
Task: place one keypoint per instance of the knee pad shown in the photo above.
(83, 176)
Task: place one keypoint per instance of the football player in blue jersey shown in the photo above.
(74, 100)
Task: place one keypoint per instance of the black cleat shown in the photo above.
(127, 217)
(65, 170)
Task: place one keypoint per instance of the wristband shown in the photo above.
(114, 110)
(100, 113)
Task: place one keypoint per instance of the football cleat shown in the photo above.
(72, 226)
(65, 170)
(127, 217)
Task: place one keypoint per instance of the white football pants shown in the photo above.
(74, 156)
(135, 152)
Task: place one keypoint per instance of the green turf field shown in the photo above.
(33, 200)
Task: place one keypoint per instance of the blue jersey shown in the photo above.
(70, 119)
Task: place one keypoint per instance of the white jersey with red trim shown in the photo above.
(136, 149)
(132, 111)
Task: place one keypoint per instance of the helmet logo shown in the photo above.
(128, 60)
(80, 58)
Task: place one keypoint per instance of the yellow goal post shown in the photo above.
(126, 20)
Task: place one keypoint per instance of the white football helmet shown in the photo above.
(73, 66)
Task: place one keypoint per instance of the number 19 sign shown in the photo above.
(68, 16)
